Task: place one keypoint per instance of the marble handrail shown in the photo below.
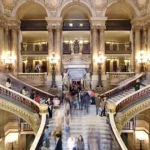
(32, 78)
(119, 75)
(19, 98)
(123, 85)
(39, 133)
(115, 131)
(129, 99)
(40, 92)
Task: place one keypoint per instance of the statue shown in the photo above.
(65, 81)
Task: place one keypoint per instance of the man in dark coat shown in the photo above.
(137, 85)
(58, 142)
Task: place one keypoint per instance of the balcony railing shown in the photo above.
(34, 48)
(117, 48)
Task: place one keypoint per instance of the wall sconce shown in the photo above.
(100, 60)
(142, 59)
(11, 138)
(8, 58)
(71, 24)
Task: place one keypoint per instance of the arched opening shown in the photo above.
(76, 41)
(31, 10)
(34, 45)
(118, 37)
(136, 127)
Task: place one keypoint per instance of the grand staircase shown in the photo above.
(90, 126)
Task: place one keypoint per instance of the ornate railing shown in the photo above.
(115, 132)
(119, 75)
(25, 127)
(117, 48)
(32, 78)
(34, 48)
(19, 98)
(132, 98)
(125, 85)
(30, 88)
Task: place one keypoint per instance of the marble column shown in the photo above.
(137, 47)
(14, 48)
(6, 39)
(50, 47)
(19, 56)
(1, 45)
(102, 46)
(148, 47)
(144, 39)
(132, 58)
(94, 49)
(58, 49)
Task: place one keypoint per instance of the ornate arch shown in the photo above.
(123, 117)
(83, 5)
(1, 7)
(20, 3)
(127, 3)
(31, 118)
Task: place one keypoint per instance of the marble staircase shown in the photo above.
(90, 127)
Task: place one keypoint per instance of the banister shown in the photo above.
(39, 133)
(124, 102)
(32, 87)
(123, 85)
(115, 131)
(19, 97)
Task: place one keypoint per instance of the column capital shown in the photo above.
(54, 23)
(136, 28)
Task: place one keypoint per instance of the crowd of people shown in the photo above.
(77, 99)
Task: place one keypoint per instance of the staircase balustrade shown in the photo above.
(133, 98)
(30, 88)
(19, 98)
(35, 79)
(123, 86)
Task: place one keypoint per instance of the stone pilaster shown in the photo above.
(148, 47)
(19, 56)
(94, 49)
(58, 49)
(14, 48)
(137, 47)
(50, 47)
(132, 58)
(1, 44)
(102, 45)
(6, 39)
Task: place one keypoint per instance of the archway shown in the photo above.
(30, 9)
(80, 5)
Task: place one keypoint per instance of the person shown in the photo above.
(97, 101)
(24, 91)
(8, 83)
(37, 98)
(32, 94)
(58, 141)
(37, 68)
(50, 107)
(86, 101)
(80, 143)
(137, 85)
(103, 107)
(46, 136)
(92, 95)
(71, 142)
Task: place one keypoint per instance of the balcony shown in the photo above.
(117, 48)
(76, 47)
(34, 48)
